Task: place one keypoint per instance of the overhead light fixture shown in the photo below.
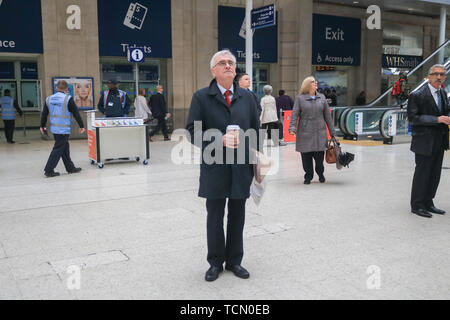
(410, 9)
(355, 2)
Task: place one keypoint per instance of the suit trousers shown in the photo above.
(307, 161)
(220, 250)
(9, 129)
(161, 125)
(427, 175)
(60, 150)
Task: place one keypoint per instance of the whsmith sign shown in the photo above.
(400, 61)
(336, 40)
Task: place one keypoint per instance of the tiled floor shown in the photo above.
(130, 231)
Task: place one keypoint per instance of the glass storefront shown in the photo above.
(21, 78)
(125, 74)
(330, 79)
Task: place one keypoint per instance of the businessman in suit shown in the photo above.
(215, 107)
(428, 113)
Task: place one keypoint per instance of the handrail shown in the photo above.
(354, 110)
(410, 73)
(384, 117)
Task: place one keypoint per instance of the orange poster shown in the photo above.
(287, 120)
(92, 142)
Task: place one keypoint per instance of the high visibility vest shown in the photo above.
(7, 104)
(122, 95)
(60, 117)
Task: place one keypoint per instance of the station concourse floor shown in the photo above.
(139, 232)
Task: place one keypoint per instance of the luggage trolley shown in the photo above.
(116, 139)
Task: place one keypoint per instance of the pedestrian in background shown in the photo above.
(61, 107)
(269, 117)
(244, 82)
(141, 109)
(159, 110)
(8, 104)
(311, 141)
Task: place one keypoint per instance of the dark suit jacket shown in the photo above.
(219, 181)
(422, 114)
(158, 105)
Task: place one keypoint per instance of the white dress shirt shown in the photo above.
(223, 90)
(434, 93)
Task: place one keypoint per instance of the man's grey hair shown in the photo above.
(267, 89)
(222, 53)
(440, 66)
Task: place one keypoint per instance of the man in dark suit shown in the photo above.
(212, 109)
(428, 111)
(159, 110)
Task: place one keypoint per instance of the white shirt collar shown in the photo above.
(223, 90)
(433, 89)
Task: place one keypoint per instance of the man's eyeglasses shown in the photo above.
(437, 74)
(223, 63)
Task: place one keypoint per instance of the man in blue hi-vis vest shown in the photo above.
(61, 107)
(8, 107)
(114, 102)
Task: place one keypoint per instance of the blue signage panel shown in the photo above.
(400, 61)
(21, 26)
(336, 40)
(7, 70)
(136, 55)
(232, 36)
(135, 23)
(29, 70)
(263, 17)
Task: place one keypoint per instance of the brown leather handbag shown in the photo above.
(331, 154)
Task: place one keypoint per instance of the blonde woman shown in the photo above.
(141, 107)
(269, 118)
(312, 109)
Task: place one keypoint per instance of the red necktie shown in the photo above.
(227, 97)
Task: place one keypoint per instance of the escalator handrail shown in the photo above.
(411, 72)
(384, 117)
(363, 109)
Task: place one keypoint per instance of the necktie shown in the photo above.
(227, 97)
(438, 93)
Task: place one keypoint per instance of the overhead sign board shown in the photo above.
(400, 61)
(263, 17)
(124, 24)
(232, 36)
(21, 26)
(336, 40)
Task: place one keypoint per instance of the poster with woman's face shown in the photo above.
(81, 89)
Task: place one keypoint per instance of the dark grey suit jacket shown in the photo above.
(423, 114)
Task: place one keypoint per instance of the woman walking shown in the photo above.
(312, 109)
(141, 106)
(269, 118)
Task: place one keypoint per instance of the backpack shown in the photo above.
(396, 88)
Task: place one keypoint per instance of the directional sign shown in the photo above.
(263, 17)
(136, 55)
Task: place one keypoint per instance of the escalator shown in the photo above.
(369, 121)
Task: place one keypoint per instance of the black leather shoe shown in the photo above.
(51, 174)
(76, 170)
(321, 179)
(213, 273)
(238, 271)
(421, 212)
(433, 209)
(307, 181)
